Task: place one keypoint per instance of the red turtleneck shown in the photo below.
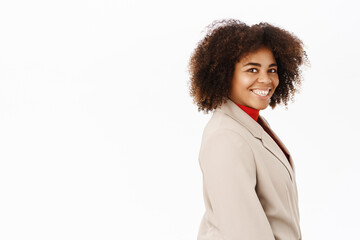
(253, 113)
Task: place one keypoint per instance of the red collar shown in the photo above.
(253, 113)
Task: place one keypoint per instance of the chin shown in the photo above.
(263, 108)
(260, 107)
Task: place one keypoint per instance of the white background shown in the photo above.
(99, 137)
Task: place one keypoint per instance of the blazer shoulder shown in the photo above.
(221, 122)
(222, 143)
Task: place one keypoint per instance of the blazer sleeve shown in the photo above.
(229, 175)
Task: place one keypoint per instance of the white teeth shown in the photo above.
(261, 92)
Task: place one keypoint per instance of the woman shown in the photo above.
(249, 182)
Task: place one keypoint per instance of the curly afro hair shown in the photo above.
(212, 63)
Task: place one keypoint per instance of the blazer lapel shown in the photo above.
(273, 143)
(274, 137)
(259, 130)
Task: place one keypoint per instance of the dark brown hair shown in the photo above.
(212, 63)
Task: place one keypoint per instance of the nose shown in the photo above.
(264, 78)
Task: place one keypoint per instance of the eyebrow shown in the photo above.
(259, 65)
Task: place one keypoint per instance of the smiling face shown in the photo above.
(255, 79)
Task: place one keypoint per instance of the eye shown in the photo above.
(273, 70)
(253, 70)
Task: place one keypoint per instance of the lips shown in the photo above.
(261, 92)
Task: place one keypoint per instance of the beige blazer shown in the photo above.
(249, 185)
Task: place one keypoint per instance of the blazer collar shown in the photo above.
(257, 130)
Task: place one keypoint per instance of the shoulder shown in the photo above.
(225, 149)
(222, 125)
(223, 136)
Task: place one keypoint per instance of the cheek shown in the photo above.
(276, 82)
(242, 82)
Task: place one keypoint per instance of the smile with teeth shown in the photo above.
(262, 93)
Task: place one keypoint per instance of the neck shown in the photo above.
(253, 113)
